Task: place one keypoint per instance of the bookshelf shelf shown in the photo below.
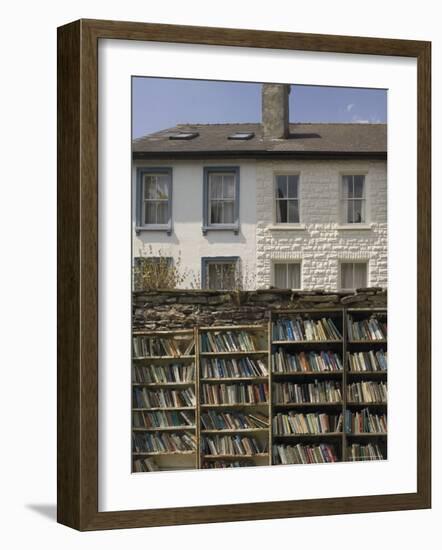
(232, 405)
(233, 379)
(165, 429)
(235, 431)
(237, 366)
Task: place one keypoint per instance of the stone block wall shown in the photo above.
(321, 242)
(175, 309)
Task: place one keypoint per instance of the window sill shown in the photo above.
(287, 227)
(206, 228)
(165, 228)
(355, 227)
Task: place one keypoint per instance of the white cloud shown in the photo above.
(350, 107)
(359, 120)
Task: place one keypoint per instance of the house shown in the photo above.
(301, 206)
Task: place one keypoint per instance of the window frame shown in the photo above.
(207, 226)
(206, 260)
(343, 215)
(287, 225)
(140, 225)
(287, 262)
(353, 262)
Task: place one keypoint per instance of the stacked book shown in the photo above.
(227, 341)
(367, 329)
(364, 452)
(364, 422)
(212, 420)
(299, 329)
(218, 394)
(235, 445)
(163, 419)
(156, 346)
(312, 423)
(304, 454)
(146, 399)
(317, 392)
(325, 361)
(164, 442)
(371, 361)
(367, 392)
(146, 464)
(166, 374)
(232, 368)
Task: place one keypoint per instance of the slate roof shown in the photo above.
(304, 140)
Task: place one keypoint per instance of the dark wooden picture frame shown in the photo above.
(78, 274)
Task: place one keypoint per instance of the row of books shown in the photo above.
(357, 452)
(299, 329)
(232, 445)
(367, 392)
(328, 391)
(227, 341)
(232, 368)
(368, 361)
(164, 374)
(164, 442)
(212, 420)
(156, 346)
(163, 419)
(365, 422)
(217, 394)
(212, 464)
(146, 464)
(145, 399)
(325, 361)
(304, 454)
(312, 423)
(366, 329)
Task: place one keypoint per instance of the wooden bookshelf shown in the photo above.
(212, 359)
(204, 359)
(161, 371)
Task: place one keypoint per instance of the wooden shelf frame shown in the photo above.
(264, 333)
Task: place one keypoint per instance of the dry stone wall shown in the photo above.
(175, 309)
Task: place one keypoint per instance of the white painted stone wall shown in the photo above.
(321, 242)
(187, 243)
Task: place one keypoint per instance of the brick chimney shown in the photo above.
(275, 111)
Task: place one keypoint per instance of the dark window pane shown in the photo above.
(162, 211)
(347, 187)
(281, 187)
(150, 187)
(293, 212)
(216, 212)
(358, 211)
(216, 186)
(281, 211)
(347, 276)
(350, 211)
(280, 275)
(229, 187)
(293, 187)
(150, 213)
(228, 208)
(358, 187)
(294, 276)
(360, 275)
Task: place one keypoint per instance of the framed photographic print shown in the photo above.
(234, 208)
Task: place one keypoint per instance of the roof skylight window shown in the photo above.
(184, 135)
(241, 135)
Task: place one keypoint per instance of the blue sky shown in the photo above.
(160, 103)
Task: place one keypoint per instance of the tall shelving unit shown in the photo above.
(259, 351)
(295, 347)
(184, 344)
(377, 408)
(264, 348)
